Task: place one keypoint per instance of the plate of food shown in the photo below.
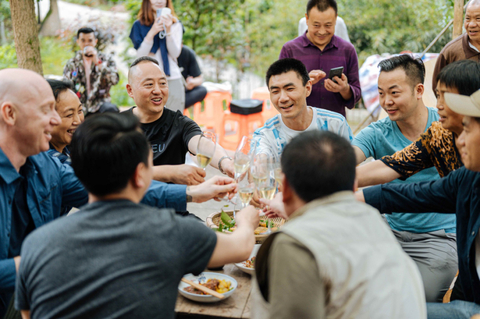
(220, 283)
(224, 222)
(248, 266)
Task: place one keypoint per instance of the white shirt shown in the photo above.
(174, 47)
(275, 135)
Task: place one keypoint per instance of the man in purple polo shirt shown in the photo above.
(320, 50)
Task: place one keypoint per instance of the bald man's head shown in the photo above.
(27, 110)
(472, 2)
(472, 16)
(148, 87)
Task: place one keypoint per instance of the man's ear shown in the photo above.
(138, 179)
(129, 90)
(308, 87)
(8, 113)
(419, 90)
(286, 190)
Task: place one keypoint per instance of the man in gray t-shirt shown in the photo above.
(116, 258)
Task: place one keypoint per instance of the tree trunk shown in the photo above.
(51, 24)
(457, 18)
(26, 35)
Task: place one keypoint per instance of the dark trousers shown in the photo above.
(197, 94)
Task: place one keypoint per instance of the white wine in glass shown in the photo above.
(242, 157)
(206, 148)
(267, 192)
(246, 195)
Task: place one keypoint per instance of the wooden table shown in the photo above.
(235, 306)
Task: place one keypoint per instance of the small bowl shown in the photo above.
(247, 270)
(206, 298)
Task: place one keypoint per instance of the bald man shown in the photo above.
(465, 46)
(170, 133)
(34, 186)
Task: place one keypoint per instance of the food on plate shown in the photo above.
(249, 263)
(218, 285)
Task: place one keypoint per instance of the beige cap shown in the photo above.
(465, 105)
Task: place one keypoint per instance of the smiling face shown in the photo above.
(288, 94)
(148, 87)
(396, 95)
(69, 108)
(36, 118)
(472, 22)
(158, 4)
(469, 142)
(450, 120)
(321, 26)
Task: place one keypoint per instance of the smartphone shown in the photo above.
(335, 72)
(163, 12)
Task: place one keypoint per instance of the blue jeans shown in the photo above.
(457, 309)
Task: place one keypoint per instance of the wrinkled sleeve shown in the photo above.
(109, 72)
(412, 159)
(7, 275)
(353, 80)
(435, 196)
(68, 70)
(345, 130)
(263, 144)
(174, 40)
(163, 195)
(73, 192)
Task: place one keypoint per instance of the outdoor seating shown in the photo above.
(209, 113)
(263, 94)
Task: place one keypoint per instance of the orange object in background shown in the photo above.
(239, 125)
(263, 94)
(211, 113)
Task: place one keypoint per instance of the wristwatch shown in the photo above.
(220, 164)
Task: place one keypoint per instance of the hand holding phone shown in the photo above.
(335, 72)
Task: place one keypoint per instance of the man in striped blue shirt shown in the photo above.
(290, 85)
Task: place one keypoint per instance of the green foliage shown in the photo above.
(55, 54)
(119, 93)
(8, 56)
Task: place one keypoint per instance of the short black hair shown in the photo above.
(414, 68)
(85, 30)
(106, 150)
(319, 163)
(322, 5)
(287, 65)
(59, 86)
(462, 75)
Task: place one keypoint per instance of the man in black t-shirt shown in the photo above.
(170, 133)
(194, 91)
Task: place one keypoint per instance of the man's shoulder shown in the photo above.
(270, 125)
(454, 46)
(298, 42)
(328, 115)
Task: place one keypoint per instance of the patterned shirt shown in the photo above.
(337, 53)
(100, 80)
(436, 147)
(275, 135)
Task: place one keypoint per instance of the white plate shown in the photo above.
(206, 298)
(247, 270)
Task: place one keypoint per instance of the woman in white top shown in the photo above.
(161, 37)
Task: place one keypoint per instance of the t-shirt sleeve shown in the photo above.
(365, 140)
(198, 243)
(190, 129)
(295, 287)
(413, 158)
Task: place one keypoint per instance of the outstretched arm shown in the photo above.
(375, 173)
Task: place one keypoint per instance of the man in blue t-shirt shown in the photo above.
(428, 238)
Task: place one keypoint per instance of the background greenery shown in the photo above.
(249, 34)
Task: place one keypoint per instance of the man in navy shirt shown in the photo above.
(458, 193)
(34, 186)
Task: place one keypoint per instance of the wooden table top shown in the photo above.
(235, 306)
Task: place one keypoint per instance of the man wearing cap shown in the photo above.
(458, 193)
(465, 46)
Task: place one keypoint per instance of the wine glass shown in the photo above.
(277, 170)
(241, 159)
(206, 148)
(264, 179)
(245, 189)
